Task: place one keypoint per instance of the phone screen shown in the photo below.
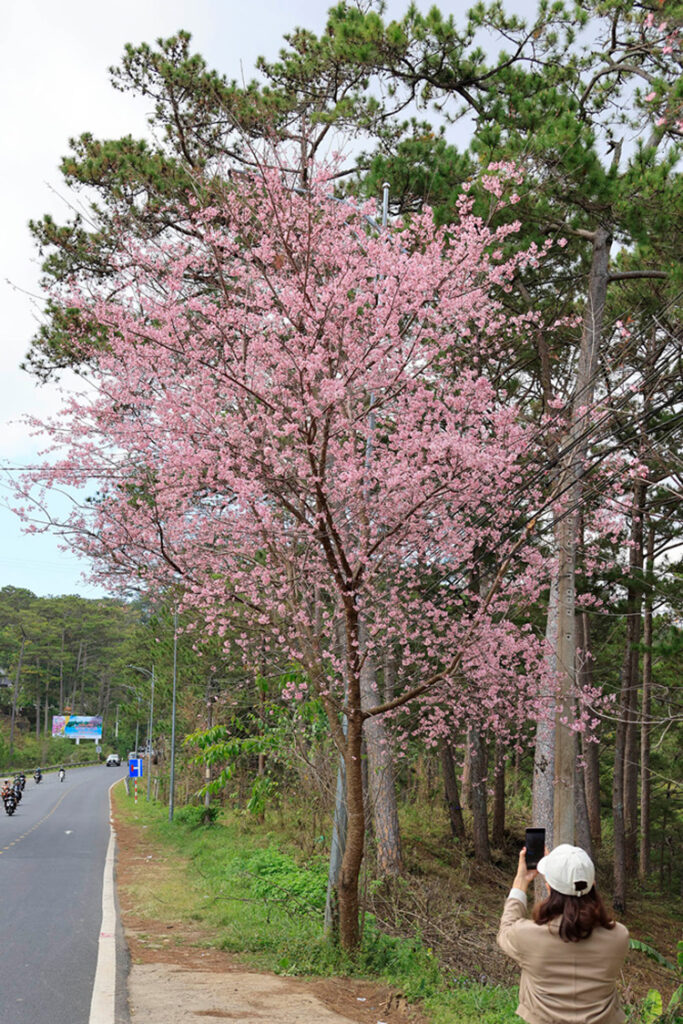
(535, 846)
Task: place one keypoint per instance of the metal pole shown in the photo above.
(137, 737)
(175, 675)
(149, 738)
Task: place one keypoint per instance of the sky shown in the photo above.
(54, 85)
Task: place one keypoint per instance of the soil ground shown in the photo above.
(175, 979)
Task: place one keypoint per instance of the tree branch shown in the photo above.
(633, 275)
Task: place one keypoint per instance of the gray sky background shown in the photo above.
(53, 86)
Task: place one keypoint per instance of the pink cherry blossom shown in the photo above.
(291, 422)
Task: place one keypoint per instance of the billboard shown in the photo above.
(77, 727)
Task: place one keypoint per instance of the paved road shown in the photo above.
(52, 853)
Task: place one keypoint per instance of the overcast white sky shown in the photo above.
(53, 86)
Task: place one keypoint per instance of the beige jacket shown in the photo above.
(563, 982)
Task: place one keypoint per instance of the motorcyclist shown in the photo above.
(37, 775)
(16, 788)
(6, 789)
(62, 773)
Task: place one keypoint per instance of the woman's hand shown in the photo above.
(524, 874)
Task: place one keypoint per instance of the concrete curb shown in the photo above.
(107, 1005)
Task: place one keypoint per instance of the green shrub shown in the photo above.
(195, 817)
(277, 876)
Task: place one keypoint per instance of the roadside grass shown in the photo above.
(249, 892)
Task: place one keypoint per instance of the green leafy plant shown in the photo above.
(652, 1008)
(263, 789)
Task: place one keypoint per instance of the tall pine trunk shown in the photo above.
(498, 823)
(466, 778)
(340, 821)
(583, 830)
(563, 752)
(565, 737)
(480, 823)
(624, 788)
(381, 779)
(645, 781)
(452, 796)
(590, 747)
(544, 748)
(634, 630)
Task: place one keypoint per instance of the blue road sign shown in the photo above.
(135, 768)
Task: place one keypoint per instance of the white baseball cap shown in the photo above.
(568, 869)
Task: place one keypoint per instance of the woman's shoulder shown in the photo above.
(617, 936)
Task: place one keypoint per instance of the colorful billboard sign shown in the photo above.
(77, 727)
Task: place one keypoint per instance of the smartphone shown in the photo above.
(535, 846)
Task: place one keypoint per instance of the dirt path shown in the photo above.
(175, 979)
(164, 994)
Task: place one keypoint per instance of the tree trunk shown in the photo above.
(565, 755)
(349, 933)
(84, 662)
(623, 809)
(571, 471)
(349, 925)
(482, 852)
(498, 824)
(381, 783)
(450, 783)
(564, 824)
(544, 749)
(74, 688)
(645, 782)
(619, 899)
(61, 676)
(583, 831)
(340, 822)
(589, 747)
(466, 780)
(633, 630)
(15, 695)
(390, 672)
(207, 766)
(337, 847)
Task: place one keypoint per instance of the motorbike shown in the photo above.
(10, 803)
(37, 775)
(62, 773)
(21, 779)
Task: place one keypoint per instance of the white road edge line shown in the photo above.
(103, 1004)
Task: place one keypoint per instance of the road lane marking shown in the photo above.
(103, 1003)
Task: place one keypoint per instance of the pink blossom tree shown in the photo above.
(287, 417)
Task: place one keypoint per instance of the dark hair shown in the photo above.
(579, 914)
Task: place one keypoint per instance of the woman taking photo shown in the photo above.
(570, 951)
